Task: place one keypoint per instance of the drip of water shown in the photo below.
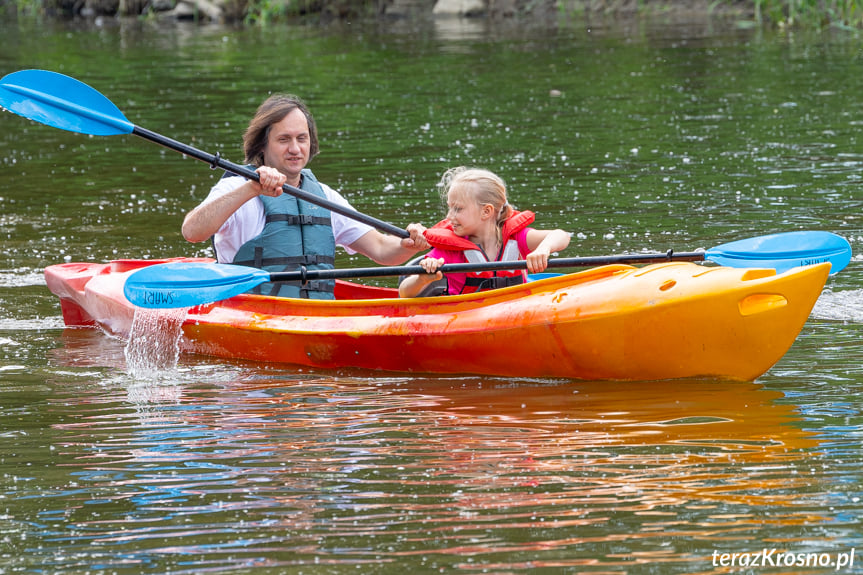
(154, 342)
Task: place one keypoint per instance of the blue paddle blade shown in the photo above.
(542, 276)
(62, 102)
(784, 251)
(187, 284)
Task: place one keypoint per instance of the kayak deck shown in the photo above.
(662, 321)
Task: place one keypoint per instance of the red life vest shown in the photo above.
(442, 236)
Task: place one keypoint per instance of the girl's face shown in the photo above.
(466, 216)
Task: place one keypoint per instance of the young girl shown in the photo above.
(481, 226)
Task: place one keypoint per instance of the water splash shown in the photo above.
(154, 342)
(846, 305)
(21, 277)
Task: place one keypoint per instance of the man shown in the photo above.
(255, 223)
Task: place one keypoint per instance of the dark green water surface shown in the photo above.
(651, 136)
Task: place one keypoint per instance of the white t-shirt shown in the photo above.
(248, 221)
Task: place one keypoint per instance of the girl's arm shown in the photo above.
(542, 244)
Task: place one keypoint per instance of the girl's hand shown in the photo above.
(431, 265)
(544, 243)
(413, 285)
(537, 260)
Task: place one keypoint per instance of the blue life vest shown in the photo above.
(296, 234)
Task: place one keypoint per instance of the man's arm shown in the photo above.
(205, 220)
(390, 250)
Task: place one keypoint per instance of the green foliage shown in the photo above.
(22, 7)
(810, 13)
(266, 11)
(263, 12)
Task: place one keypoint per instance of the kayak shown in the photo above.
(616, 322)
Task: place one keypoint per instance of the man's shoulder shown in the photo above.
(332, 194)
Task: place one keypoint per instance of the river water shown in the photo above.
(634, 136)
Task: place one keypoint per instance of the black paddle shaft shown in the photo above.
(217, 161)
(309, 275)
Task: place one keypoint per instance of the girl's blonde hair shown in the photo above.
(484, 186)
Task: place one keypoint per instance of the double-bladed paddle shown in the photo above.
(187, 284)
(66, 103)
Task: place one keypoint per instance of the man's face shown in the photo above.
(288, 146)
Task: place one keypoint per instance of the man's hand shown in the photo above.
(417, 241)
(271, 181)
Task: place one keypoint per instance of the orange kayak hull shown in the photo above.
(663, 321)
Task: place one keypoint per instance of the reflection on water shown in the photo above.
(241, 466)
